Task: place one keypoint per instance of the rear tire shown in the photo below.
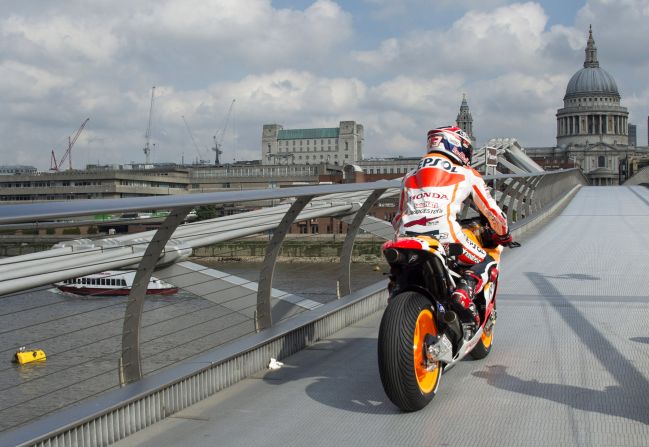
(405, 323)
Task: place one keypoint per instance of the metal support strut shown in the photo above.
(344, 275)
(263, 317)
(130, 364)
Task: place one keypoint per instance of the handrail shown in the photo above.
(30, 212)
(530, 194)
(20, 213)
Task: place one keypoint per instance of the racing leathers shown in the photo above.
(431, 197)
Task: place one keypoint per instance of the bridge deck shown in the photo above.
(570, 364)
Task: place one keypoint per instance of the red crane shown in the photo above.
(54, 166)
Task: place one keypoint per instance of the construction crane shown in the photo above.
(201, 160)
(147, 148)
(54, 166)
(220, 134)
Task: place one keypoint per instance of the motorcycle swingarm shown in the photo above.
(465, 348)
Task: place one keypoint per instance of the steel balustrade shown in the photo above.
(344, 277)
(263, 318)
(131, 362)
(524, 196)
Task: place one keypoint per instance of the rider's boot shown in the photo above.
(463, 298)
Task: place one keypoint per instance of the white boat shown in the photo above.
(112, 282)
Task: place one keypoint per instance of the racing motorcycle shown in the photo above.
(420, 336)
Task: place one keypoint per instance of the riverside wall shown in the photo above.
(22, 245)
(295, 247)
(319, 249)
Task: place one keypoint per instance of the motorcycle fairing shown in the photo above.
(424, 243)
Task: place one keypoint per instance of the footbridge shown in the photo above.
(569, 366)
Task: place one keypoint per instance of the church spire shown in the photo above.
(591, 51)
(464, 119)
(464, 107)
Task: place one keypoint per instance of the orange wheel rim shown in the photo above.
(427, 380)
(487, 338)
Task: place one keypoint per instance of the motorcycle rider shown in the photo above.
(432, 196)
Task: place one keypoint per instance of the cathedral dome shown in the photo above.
(592, 79)
(589, 81)
(593, 125)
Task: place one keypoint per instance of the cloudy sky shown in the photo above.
(398, 67)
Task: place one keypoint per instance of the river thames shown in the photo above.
(82, 335)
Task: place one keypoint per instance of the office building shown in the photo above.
(332, 145)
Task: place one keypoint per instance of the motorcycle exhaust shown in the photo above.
(451, 320)
(394, 256)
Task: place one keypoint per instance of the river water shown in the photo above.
(82, 335)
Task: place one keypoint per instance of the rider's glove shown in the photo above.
(505, 239)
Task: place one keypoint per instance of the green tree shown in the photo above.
(204, 212)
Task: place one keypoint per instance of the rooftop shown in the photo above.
(302, 134)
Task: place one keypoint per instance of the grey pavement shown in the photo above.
(569, 365)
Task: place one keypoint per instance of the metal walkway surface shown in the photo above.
(569, 366)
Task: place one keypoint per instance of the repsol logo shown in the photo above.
(428, 195)
(430, 162)
(472, 244)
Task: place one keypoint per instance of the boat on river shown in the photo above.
(112, 282)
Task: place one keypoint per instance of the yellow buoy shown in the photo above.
(23, 356)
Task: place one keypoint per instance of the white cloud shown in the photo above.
(20, 81)
(307, 67)
(517, 105)
(386, 10)
(64, 38)
(422, 95)
(387, 53)
(502, 39)
(62, 63)
(245, 32)
(288, 93)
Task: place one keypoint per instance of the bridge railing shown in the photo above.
(524, 197)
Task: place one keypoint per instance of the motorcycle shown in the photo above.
(420, 336)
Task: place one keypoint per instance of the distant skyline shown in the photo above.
(399, 67)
